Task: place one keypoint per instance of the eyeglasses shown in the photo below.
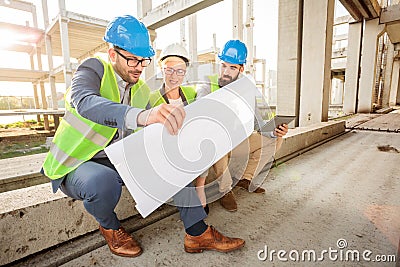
(179, 72)
(134, 62)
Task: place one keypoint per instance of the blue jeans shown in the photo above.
(99, 186)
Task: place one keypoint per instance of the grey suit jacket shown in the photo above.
(86, 99)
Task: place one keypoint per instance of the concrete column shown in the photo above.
(143, 7)
(49, 52)
(372, 31)
(352, 67)
(250, 68)
(316, 61)
(336, 97)
(34, 85)
(182, 29)
(388, 74)
(193, 42)
(237, 16)
(395, 85)
(398, 93)
(193, 37)
(63, 21)
(289, 57)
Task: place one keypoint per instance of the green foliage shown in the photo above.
(23, 124)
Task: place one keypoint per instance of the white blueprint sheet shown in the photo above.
(155, 165)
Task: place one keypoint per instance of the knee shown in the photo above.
(104, 186)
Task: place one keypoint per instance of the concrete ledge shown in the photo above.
(33, 219)
(303, 137)
(21, 172)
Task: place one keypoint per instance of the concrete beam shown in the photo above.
(362, 9)
(390, 14)
(342, 20)
(391, 17)
(174, 10)
(20, 5)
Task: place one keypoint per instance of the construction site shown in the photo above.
(332, 191)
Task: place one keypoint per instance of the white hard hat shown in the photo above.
(176, 50)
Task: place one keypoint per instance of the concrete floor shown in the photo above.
(345, 191)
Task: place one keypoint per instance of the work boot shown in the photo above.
(244, 183)
(121, 243)
(228, 201)
(211, 239)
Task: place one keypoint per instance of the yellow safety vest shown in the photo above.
(214, 82)
(78, 139)
(188, 91)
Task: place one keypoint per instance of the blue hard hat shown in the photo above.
(129, 34)
(234, 52)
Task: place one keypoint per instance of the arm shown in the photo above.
(280, 131)
(202, 90)
(86, 98)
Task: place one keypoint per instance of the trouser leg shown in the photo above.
(188, 203)
(99, 187)
(257, 150)
(222, 173)
(262, 149)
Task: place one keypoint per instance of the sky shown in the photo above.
(215, 19)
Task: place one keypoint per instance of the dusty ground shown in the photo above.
(342, 197)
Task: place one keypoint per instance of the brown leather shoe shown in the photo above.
(228, 201)
(121, 243)
(211, 239)
(244, 183)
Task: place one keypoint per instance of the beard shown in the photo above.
(133, 76)
(226, 79)
(130, 76)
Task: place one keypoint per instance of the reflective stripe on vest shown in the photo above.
(78, 139)
(213, 82)
(157, 99)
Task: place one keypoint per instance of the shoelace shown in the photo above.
(123, 235)
(217, 235)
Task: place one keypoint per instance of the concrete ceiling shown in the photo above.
(391, 17)
(85, 34)
(362, 9)
(370, 9)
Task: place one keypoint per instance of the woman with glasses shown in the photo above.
(173, 61)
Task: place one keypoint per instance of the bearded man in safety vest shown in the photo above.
(258, 148)
(105, 103)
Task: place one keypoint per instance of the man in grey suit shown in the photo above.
(106, 102)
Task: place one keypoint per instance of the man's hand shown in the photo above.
(281, 130)
(170, 115)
